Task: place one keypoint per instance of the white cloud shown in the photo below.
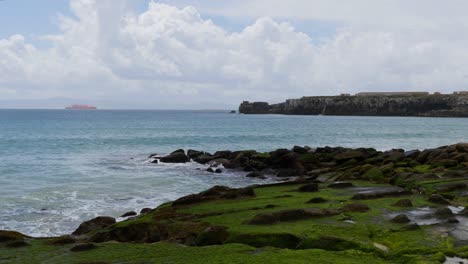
(171, 56)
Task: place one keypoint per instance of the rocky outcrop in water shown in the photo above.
(435, 105)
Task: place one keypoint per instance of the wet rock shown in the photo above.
(145, 210)
(317, 200)
(403, 203)
(355, 207)
(380, 193)
(340, 185)
(443, 212)
(412, 154)
(299, 150)
(94, 224)
(464, 212)
(127, 214)
(194, 153)
(155, 161)
(401, 219)
(453, 220)
(438, 199)
(203, 159)
(210, 169)
(218, 171)
(312, 187)
(83, 247)
(177, 156)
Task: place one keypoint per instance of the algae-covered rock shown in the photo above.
(438, 199)
(10, 236)
(83, 247)
(403, 203)
(213, 235)
(401, 219)
(94, 224)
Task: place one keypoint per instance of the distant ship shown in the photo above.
(81, 107)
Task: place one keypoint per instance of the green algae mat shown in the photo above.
(304, 222)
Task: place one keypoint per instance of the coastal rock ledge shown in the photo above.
(368, 104)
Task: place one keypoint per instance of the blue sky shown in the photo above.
(215, 54)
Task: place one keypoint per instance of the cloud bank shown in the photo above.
(173, 57)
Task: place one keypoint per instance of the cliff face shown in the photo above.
(453, 105)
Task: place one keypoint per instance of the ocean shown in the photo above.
(59, 168)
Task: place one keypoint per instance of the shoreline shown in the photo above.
(327, 187)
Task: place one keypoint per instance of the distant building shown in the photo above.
(391, 93)
(461, 92)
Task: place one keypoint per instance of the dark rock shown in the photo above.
(175, 157)
(355, 207)
(443, 212)
(401, 219)
(145, 210)
(403, 203)
(194, 153)
(254, 174)
(352, 154)
(451, 187)
(312, 187)
(155, 161)
(178, 151)
(317, 200)
(16, 244)
(216, 192)
(94, 224)
(453, 220)
(203, 159)
(225, 154)
(63, 240)
(270, 206)
(127, 214)
(340, 185)
(299, 150)
(412, 154)
(286, 173)
(10, 236)
(464, 212)
(83, 247)
(438, 199)
(210, 169)
(218, 171)
(213, 235)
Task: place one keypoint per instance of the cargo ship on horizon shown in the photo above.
(81, 107)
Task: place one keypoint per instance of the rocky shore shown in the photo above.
(429, 105)
(330, 205)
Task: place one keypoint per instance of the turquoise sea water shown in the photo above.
(59, 168)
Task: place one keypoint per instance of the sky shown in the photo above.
(206, 54)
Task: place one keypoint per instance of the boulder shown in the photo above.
(213, 235)
(443, 212)
(204, 158)
(194, 153)
(449, 187)
(401, 219)
(348, 155)
(60, 241)
(380, 193)
(175, 157)
(16, 244)
(438, 199)
(145, 210)
(254, 174)
(355, 207)
(299, 150)
(10, 236)
(127, 214)
(94, 224)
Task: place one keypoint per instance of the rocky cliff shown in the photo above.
(437, 105)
